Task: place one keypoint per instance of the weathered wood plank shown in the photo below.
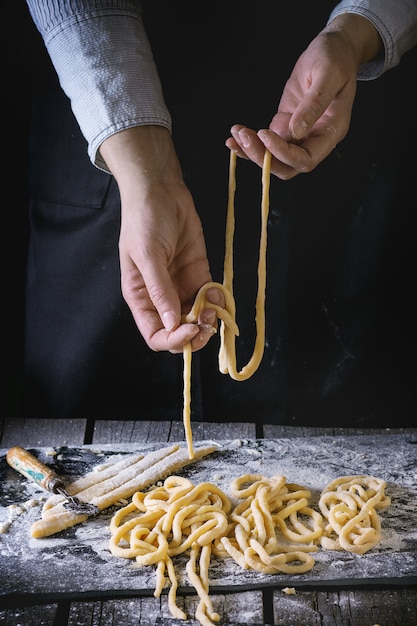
(43, 615)
(243, 608)
(29, 432)
(219, 430)
(343, 608)
(274, 431)
(307, 461)
(128, 431)
(339, 608)
(110, 431)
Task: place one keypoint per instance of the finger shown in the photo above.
(290, 159)
(207, 322)
(280, 125)
(215, 296)
(206, 332)
(149, 322)
(161, 293)
(174, 341)
(248, 143)
(232, 142)
(147, 316)
(234, 146)
(198, 335)
(328, 90)
(306, 114)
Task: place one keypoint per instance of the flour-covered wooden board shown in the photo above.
(78, 559)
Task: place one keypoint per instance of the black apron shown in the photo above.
(341, 245)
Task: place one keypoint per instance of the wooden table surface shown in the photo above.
(388, 605)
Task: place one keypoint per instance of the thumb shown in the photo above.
(310, 109)
(164, 298)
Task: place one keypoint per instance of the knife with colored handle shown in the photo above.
(29, 466)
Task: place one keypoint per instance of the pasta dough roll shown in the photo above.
(153, 467)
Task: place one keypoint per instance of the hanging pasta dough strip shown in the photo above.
(227, 315)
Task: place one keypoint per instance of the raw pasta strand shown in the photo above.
(227, 352)
(187, 400)
(227, 315)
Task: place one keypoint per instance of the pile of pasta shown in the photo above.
(270, 529)
(349, 506)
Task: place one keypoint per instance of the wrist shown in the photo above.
(143, 153)
(360, 35)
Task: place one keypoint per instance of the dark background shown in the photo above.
(340, 307)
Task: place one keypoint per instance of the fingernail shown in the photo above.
(214, 296)
(263, 136)
(298, 131)
(208, 316)
(169, 320)
(244, 138)
(206, 331)
(193, 332)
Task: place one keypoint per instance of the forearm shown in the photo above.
(396, 24)
(103, 59)
(163, 258)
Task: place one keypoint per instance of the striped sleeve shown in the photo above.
(105, 66)
(396, 22)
